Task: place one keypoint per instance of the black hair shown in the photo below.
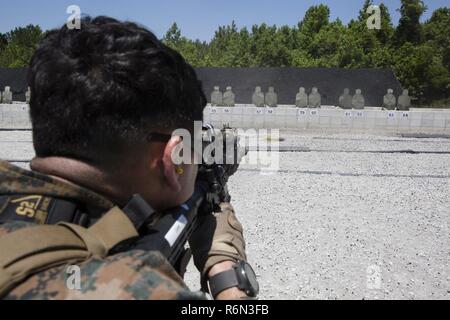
(97, 90)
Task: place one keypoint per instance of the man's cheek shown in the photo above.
(195, 172)
(188, 182)
(193, 179)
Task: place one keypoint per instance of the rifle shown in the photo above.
(174, 228)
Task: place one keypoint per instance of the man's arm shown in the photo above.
(217, 244)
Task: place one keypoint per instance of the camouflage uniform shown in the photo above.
(131, 275)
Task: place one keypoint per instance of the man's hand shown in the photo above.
(218, 243)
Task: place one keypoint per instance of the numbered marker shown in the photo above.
(313, 112)
(213, 110)
(348, 114)
(359, 114)
(405, 115)
(391, 115)
(259, 111)
(226, 110)
(302, 115)
(269, 111)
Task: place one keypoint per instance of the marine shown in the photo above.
(104, 99)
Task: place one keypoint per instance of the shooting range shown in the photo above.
(358, 208)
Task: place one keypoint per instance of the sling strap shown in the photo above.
(28, 251)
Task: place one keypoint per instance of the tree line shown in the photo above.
(418, 53)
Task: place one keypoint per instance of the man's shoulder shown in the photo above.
(18, 185)
(129, 275)
(132, 275)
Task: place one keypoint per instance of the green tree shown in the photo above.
(420, 70)
(315, 19)
(326, 44)
(268, 47)
(368, 48)
(446, 55)
(387, 30)
(21, 44)
(193, 51)
(437, 29)
(3, 41)
(409, 28)
(173, 35)
(225, 46)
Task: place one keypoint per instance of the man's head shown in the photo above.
(98, 92)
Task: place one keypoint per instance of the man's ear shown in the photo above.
(170, 174)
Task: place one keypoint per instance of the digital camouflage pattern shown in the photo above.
(15, 180)
(133, 275)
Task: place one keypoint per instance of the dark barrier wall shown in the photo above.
(330, 81)
(16, 79)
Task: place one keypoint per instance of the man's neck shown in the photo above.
(83, 174)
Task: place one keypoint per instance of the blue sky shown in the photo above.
(196, 18)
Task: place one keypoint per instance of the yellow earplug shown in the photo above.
(179, 171)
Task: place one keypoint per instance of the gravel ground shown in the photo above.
(349, 225)
(354, 218)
